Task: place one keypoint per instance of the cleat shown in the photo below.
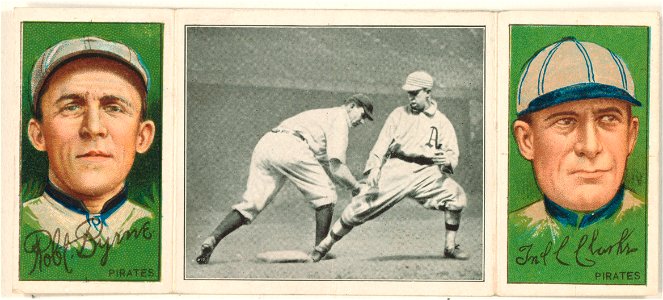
(456, 253)
(206, 250)
(317, 254)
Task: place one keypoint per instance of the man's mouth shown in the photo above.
(589, 173)
(95, 155)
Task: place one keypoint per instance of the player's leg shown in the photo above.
(300, 166)
(443, 193)
(364, 207)
(261, 187)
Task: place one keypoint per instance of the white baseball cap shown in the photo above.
(67, 50)
(418, 80)
(570, 70)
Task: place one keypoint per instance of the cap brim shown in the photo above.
(577, 92)
(409, 87)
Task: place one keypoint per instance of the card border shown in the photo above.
(650, 19)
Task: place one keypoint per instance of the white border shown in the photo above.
(579, 18)
(337, 17)
(11, 89)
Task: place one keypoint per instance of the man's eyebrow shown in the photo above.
(72, 96)
(561, 113)
(113, 98)
(613, 109)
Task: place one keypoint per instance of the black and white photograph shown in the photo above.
(334, 153)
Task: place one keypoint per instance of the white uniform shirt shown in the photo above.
(325, 130)
(413, 135)
(67, 224)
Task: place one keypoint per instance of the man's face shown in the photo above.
(91, 127)
(357, 115)
(579, 150)
(418, 100)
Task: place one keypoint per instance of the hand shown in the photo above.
(373, 177)
(440, 159)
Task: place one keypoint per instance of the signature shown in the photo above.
(582, 253)
(51, 248)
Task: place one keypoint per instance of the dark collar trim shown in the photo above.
(571, 218)
(76, 205)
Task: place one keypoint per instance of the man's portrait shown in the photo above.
(90, 119)
(579, 108)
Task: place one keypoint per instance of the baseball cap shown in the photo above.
(418, 80)
(364, 102)
(571, 70)
(67, 50)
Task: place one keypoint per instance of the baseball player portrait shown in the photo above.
(576, 127)
(89, 113)
(579, 110)
(414, 156)
(309, 150)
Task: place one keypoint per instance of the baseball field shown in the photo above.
(238, 89)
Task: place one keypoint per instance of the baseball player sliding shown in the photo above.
(304, 149)
(413, 157)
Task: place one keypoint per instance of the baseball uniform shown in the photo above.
(406, 139)
(299, 149)
(55, 211)
(547, 219)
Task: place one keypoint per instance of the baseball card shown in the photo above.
(85, 137)
(329, 152)
(581, 132)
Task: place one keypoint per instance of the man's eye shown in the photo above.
(113, 108)
(609, 119)
(71, 107)
(565, 122)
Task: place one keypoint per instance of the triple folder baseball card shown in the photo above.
(330, 152)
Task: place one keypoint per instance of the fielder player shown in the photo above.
(413, 157)
(306, 149)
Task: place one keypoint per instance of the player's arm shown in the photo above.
(342, 174)
(382, 146)
(448, 153)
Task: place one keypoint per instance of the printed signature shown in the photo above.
(582, 254)
(50, 248)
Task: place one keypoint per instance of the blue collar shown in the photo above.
(77, 205)
(571, 218)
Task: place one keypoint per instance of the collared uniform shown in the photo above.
(405, 139)
(547, 219)
(550, 244)
(56, 212)
(299, 150)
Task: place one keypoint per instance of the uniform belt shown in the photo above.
(412, 159)
(288, 131)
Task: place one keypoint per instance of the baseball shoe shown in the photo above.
(206, 250)
(317, 254)
(456, 253)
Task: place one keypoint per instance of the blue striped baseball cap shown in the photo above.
(67, 50)
(570, 70)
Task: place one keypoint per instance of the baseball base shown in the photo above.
(284, 256)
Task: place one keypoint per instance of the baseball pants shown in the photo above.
(281, 156)
(426, 184)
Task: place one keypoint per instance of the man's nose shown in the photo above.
(588, 143)
(92, 125)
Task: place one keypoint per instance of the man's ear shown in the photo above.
(634, 127)
(145, 137)
(36, 135)
(522, 131)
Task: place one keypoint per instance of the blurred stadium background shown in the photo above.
(242, 81)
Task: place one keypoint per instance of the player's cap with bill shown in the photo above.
(363, 101)
(68, 50)
(418, 80)
(571, 70)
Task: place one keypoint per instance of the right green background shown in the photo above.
(632, 44)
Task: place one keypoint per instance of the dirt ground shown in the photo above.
(403, 244)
